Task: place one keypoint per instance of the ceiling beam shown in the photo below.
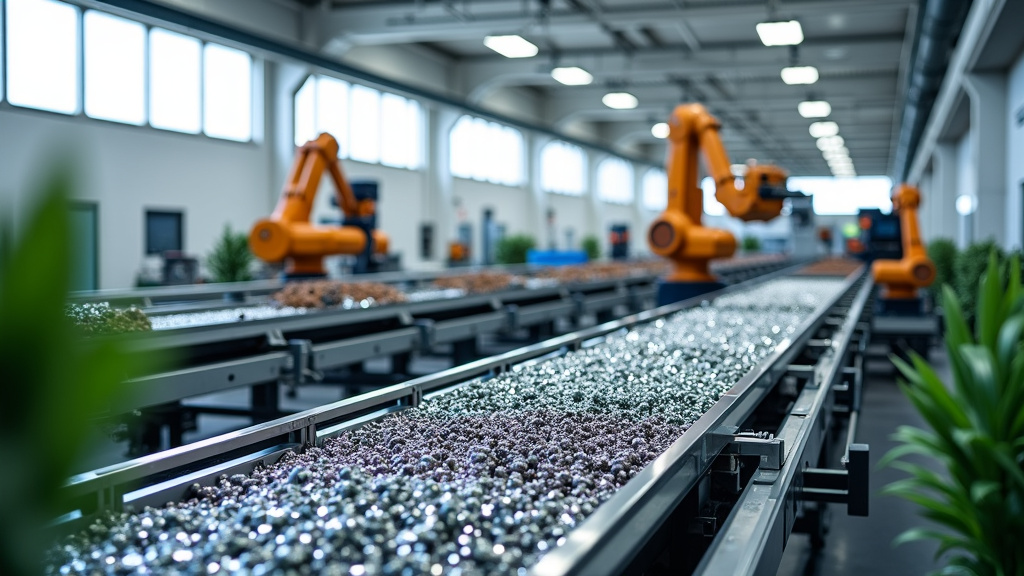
(385, 23)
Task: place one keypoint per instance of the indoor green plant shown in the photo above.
(55, 382)
(975, 432)
(942, 252)
(751, 244)
(230, 259)
(592, 246)
(513, 249)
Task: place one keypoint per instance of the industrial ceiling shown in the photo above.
(668, 51)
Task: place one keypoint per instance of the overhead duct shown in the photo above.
(938, 29)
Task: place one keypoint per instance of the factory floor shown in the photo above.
(858, 546)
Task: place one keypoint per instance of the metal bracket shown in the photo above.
(426, 327)
(512, 317)
(850, 486)
(766, 446)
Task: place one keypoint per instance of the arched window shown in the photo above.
(655, 190)
(615, 181)
(563, 169)
(487, 151)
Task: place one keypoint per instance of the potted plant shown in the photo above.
(230, 259)
(592, 246)
(975, 432)
(513, 249)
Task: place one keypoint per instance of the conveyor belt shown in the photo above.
(572, 380)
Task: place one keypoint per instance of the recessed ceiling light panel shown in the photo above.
(830, 143)
(780, 33)
(620, 100)
(800, 75)
(660, 130)
(572, 76)
(511, 46)
(814, 109)
(822, 129)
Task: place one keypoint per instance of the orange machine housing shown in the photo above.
(288, 234)
(901, 278)
(678, 233)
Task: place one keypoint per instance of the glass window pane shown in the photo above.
(332, 111)
(174, 81)
(563, 169)
(364, 120)
(115, 68)
(227, 93)
(844, 196)
(304, 110)
(42, 55)
(395, 122)
(459, 148)
(615, 181)
(655, 193)
(712, 207)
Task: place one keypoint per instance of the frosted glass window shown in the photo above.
(487, 151)
(227, 93)
(332, 111)
(712, 207)
(844, 196)
(615, 181)
(364, 122)
(174, 88)
(401, 132)
(563, 169)
(655, 190)
(42, 55)
(460, 161)
(115, 68)
(305, 112)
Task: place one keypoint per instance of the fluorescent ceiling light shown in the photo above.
(841, 152)
(814, 109)
(572, 76)
(800, 75)
(512, 46)
(780, 33)
(830, 143)
(619, 100)
(660, 130)
(822, 129)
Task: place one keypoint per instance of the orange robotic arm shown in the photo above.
(288, 234)
(901, 278)
(678, 233)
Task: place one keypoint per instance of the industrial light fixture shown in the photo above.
(660, 130)
(787, 33)
(800, 75)
(841, 152)
(822, 129)
(572, 75)
(966, 204)
(620, 100)
(830, 143)
(511, 46)
(814, 108)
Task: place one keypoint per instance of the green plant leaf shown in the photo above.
(989, 304)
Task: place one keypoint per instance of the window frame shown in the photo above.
(257, 79)
(179, 212)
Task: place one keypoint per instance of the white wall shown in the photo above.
(510, 205)
(1015, 154)
(418, 68)
(128, 169)
(965, 184)
(570, 214)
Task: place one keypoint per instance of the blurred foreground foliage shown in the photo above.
(102, 319)
(974, 431)
(55, 381)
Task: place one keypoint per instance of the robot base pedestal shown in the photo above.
(671, 292)
(900, 306)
